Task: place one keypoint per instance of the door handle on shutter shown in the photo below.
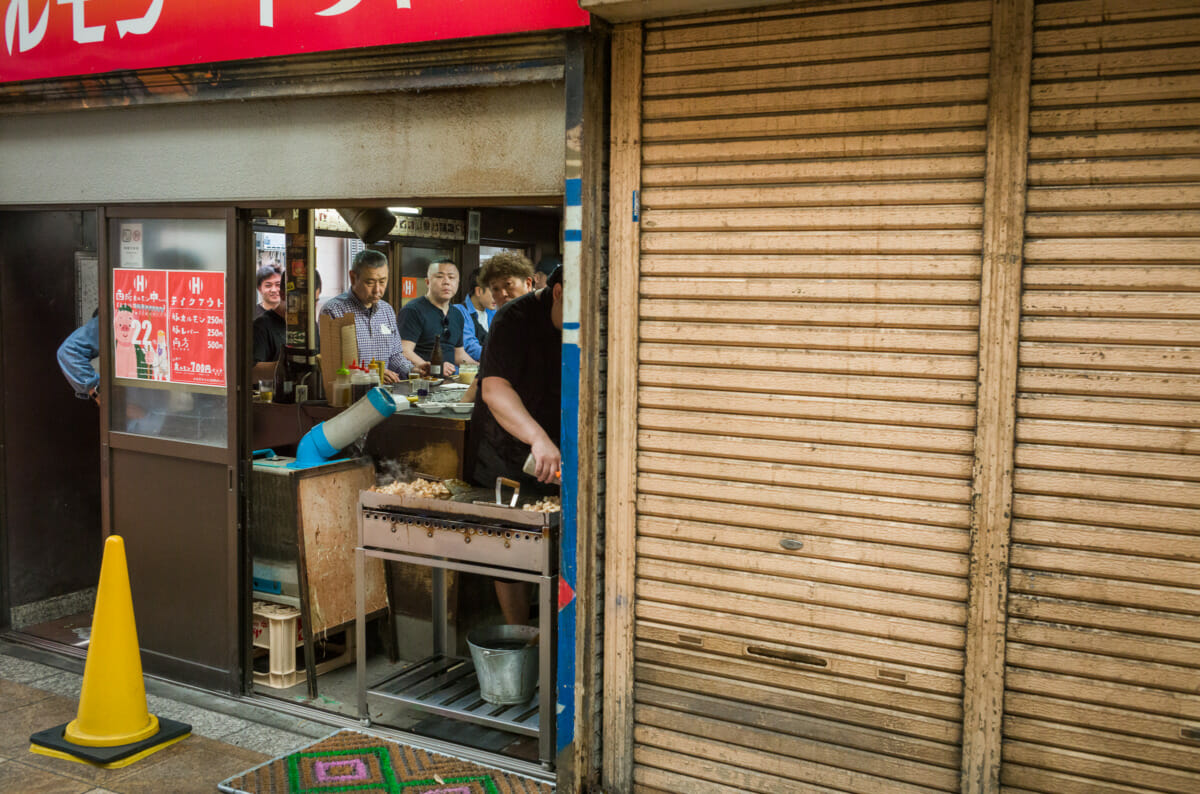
(1191, 734)
(791, 544)
(776, 655)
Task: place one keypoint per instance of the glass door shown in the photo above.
(169, 431)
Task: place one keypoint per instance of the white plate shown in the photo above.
(454, 387)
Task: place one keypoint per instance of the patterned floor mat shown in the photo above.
(349, 761)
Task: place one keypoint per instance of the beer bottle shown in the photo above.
(435, 359)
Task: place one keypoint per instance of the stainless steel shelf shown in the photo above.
(448, 686)
(426, 532)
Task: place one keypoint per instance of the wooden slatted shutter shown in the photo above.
(812, 184)
(1103, 678)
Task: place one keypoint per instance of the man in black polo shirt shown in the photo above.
(520, 391)
(428, 319)
(517, 413)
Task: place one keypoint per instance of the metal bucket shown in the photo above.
(505, 662)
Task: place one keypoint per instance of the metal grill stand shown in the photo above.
(494, 541)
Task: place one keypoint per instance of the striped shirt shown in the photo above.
(378, 335)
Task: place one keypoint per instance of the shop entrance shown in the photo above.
(147, 452)
(49, 439)
(303, 522)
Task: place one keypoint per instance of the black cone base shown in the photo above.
(53, 739)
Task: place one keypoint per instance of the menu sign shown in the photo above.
(169, 325)
(197, 327)
(55, 38)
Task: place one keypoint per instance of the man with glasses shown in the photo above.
(428, 320)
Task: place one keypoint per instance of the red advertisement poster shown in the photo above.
(56, 38)
(196, 337)
(169, 325)
(140, 324)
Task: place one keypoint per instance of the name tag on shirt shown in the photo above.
(383, 329)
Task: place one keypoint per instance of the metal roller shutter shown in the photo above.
(812, 184)
(1104, 607)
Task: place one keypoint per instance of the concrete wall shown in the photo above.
(479, 142)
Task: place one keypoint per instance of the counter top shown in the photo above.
(432, 444)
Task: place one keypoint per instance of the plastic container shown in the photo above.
(341, 389)
(506, 662)
(530, 467)
(360, 383)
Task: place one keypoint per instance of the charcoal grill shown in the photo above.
(503, 541)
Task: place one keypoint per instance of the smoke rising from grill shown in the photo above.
(388, 471)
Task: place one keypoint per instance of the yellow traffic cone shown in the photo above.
(113, 727)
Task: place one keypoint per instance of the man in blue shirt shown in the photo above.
(75, 356)
(374, 321)
(478, 308)
(145, 409)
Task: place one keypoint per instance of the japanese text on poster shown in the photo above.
(169, 325)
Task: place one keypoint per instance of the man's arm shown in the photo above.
(398, 366)
(263, 370)
(75, 356)
(506, 405)
(471, 342)
(408, 348)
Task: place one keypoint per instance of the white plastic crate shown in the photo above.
(277, 628)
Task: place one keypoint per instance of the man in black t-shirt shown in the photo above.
(428, 320)
(517, 412)
(270, 328)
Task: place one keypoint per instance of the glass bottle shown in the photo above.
(285, 381)
(435, 359)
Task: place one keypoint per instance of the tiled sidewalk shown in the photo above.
(227, 736)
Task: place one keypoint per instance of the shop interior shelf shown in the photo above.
(447, 685)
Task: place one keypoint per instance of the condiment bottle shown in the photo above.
(360, 383)
(530, 467)
(341, 388)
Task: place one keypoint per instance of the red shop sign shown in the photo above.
(57, 38)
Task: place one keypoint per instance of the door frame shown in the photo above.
(230, 456)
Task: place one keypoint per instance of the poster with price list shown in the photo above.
(169, 326)
(197, 327)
